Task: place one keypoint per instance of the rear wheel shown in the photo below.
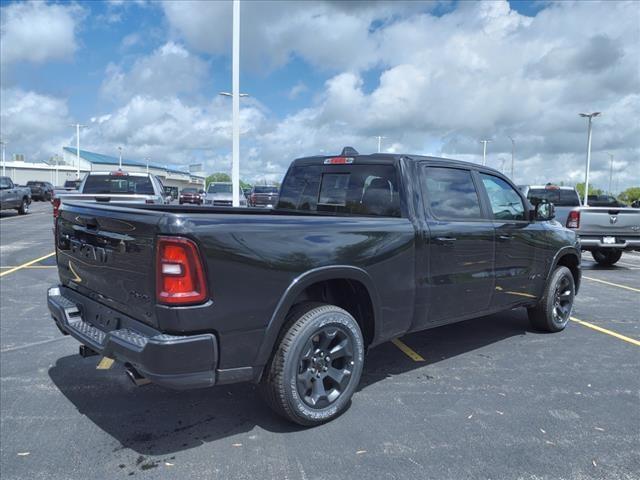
(553, 311)
(606, 258)
(23, 209)
(317, 365)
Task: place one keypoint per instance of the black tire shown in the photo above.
(552, 313)
(317, 365)
(23, 209)
(606, 258)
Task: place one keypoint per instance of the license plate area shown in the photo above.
(608, 240)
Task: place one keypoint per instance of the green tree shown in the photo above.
(592, 190)
(631, 194)
(218, 177)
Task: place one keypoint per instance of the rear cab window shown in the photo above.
(559, 197)
(265, 189)
(361, 189)
(118, 184)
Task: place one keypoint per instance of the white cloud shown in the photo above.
(483, 71)
(38, 32)
(33, 124)
(170, 70)
(297, 90)
(328, 35)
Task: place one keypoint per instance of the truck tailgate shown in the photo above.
(107, 252)
(609, 220)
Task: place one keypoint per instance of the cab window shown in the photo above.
(451, 194)
(506, 204)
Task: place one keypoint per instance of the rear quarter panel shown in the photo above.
(252, 260)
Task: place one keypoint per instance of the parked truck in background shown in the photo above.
(564, 198)
(116, 186)
(606, 227)
(14, 197)
(360, 249)
(606, 232)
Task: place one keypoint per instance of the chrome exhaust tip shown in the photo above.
(133, 375)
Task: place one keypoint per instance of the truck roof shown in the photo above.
(386, 159)
(550, 187)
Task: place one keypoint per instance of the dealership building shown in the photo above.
(60, 169)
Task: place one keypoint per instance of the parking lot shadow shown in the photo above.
(155, 421)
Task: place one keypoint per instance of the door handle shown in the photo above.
(505, 238)
(444, 240)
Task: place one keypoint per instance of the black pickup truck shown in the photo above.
(360, 249)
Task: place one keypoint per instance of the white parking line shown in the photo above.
(34, 344)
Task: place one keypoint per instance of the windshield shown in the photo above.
(219, 188)
(72, 183)
(189, 190)
(118, 184)
(265, 189)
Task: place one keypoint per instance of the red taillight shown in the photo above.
(56, 207)
(180, 276)
(338, 160)
(573, 220)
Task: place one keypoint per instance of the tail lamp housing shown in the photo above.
(573, 220)
(55, 201)
(180, 278)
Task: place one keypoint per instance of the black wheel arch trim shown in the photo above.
(563, 252)
(298, 285)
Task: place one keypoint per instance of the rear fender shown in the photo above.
(297, 286)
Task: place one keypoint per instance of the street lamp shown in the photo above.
(147, 160)
(4, 164)
(78, 127)
(120, 158)
(610, 172)
(379, 137)
(484, 151)
(513, 149)
(590, 116)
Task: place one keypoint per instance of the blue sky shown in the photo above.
(322, 74)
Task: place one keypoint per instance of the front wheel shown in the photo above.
(552, 313)
(23, 209)
(317, 365)
(606, 258)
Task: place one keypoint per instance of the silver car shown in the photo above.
(220, 194)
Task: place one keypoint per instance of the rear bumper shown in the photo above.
(179, 362)
(591, 242)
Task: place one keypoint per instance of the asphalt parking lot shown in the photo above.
(487, 398)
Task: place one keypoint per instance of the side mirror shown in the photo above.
(200, 192)
(545, 211)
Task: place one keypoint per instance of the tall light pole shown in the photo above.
(590, 116)
(513, 150)
(55, 157)
(484, 151)
(379, 137)
(78, 127)
(235, 100)
(610, 172)
(147, 160)
(120, 158)
(4, 163)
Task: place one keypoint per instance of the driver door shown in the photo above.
(520, 243)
